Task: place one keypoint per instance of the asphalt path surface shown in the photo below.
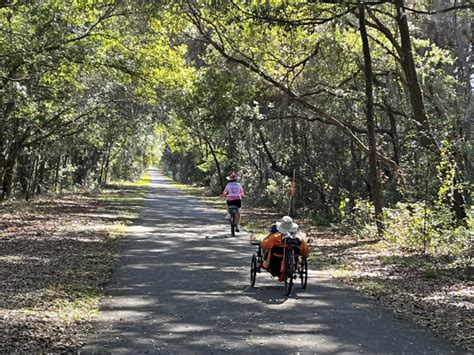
(182, 288)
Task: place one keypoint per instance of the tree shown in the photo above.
(373, 169)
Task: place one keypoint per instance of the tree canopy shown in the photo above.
(358, 100)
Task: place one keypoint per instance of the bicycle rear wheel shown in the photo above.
(253, 270)
(232, 224)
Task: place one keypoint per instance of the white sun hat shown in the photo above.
(286, 225)
(233, 176)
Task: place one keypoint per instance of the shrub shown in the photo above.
(359, 221)
(414, 226)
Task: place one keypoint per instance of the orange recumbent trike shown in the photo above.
(285, 258)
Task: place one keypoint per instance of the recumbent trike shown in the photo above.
(285, 262)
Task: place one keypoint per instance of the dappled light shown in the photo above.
(54, 257)
(194, 294)
(155, 139)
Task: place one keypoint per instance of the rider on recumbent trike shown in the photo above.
(273, 245)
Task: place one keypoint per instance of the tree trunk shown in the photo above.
(35, 174)
(8, 108)
(105, 158)
(463, 28)
(376, 186)
(273, 164)
(39, 178)
(30, 187)
(106, 169)
(8, 175)
(393, 182)
(216, 161)
(9, 170)
(56, 175)
(417, 103)
(61, 180)
(23, 173)
(413, 86)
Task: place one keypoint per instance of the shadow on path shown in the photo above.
(177, 292)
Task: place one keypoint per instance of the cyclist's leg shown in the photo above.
(239, 212)
(228, 211)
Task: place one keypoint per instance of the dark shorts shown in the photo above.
(236, 203)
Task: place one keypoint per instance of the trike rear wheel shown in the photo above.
(289, 271)
(288, 283)
(253, 270)
(304, 272)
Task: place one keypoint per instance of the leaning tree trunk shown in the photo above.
(417, 102)
(414, 88)
(376, 186)
(216, 161)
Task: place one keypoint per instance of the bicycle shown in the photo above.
(233, 210)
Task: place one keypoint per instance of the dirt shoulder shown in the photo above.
(434, 293)
(437, 294)
(56, 256)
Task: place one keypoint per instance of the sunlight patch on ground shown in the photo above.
(186, 327)
(137, 229)
(464, 297)
(124, 314)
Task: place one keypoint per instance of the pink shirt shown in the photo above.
(233, 191)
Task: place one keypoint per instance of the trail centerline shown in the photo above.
(176, 291)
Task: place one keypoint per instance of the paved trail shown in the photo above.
(175, 291)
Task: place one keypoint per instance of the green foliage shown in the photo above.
(431, 230)
(80, 85)
(263, 88)
(277, 191)
(446, 175)
(359, 220)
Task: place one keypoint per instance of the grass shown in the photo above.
(406, 261)
(82, 299)
(73, 301)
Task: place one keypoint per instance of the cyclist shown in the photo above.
(274, 240)
(233, 193)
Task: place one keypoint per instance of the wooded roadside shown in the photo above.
(56, 256)
(435, 293)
